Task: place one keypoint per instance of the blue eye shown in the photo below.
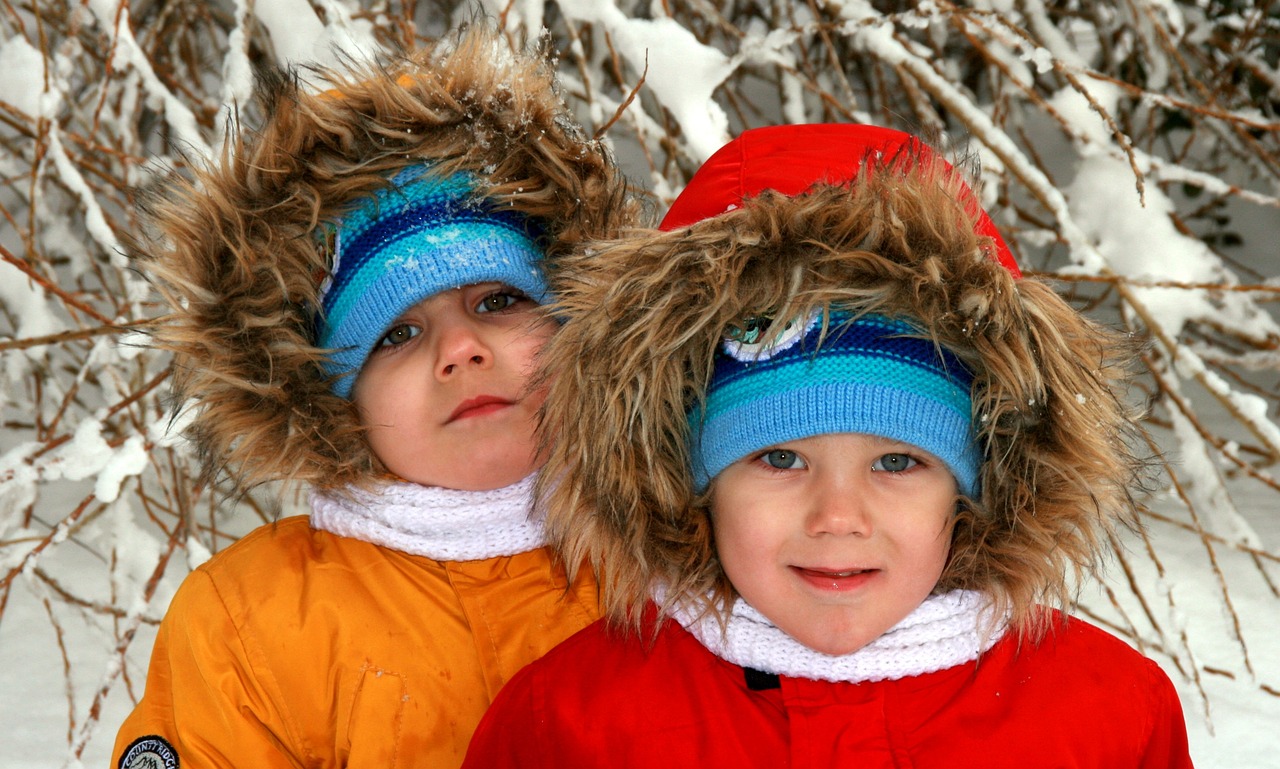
(397, 335)
(894, 463)
(781, 459)
(499, 301)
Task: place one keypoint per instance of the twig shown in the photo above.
(1224, 591)
(68, 689)
(1112, 279)
(93, 606)
(58, 533)
(53, 288)
(60, 337)
(631, 95)
(122, 646)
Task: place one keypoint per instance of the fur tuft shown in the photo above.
(238, 252)
(644, 316)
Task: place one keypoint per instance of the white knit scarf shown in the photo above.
(442, 524)
(944, 631)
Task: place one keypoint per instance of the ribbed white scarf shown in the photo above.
(442, 524)
(944, 631)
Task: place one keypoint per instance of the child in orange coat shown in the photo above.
(356, 291)
(831, 457)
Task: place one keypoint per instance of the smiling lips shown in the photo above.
(829, 579)
(478, 406)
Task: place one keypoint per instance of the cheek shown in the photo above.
(531, 337)
(535, 396)
(520, 356)
(938, 517)
(378, 399)
(935, 550)
(365, 398)
(741, 538)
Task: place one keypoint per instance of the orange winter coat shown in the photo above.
(300, 648)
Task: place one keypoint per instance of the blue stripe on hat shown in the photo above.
(443, 249)
(435, 222)
(404, 243)
(872, 375)
(869, 370)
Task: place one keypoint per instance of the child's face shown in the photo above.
(835, 538)
(444, 392)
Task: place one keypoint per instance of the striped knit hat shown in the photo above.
(421, 235)
(869, 374)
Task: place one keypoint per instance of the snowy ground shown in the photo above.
(1236, 729)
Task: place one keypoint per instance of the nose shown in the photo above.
(460, 345)
(838, 507)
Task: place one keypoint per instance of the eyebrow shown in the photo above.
(885, 441)
(881, 441)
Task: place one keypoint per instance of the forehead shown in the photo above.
(881, 440)
(870, 440)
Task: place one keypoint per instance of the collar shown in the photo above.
(945, 631)
(442, 524)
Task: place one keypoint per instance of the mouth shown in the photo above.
(481, 405)
(838, 580)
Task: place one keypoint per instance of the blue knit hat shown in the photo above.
(872, 375)
(423, 234)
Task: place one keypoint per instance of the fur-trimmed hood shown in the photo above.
(237, 254)
(646, 313)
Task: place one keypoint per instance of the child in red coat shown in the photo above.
(836, 464)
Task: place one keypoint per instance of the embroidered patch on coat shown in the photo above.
(150, 752)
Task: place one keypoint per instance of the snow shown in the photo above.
(95, 221)
(127, 461)
(681, 72)
(28, 302)
(113, 16)
(300, 37)
(1204, 607)
(1235, 727)
(237, 72)
(296, 32)
(22, 85)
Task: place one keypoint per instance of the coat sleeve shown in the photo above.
(207, 702)
(1167, 746)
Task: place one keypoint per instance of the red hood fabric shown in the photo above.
(792, 158)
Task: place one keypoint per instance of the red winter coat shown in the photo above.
(1080, 699)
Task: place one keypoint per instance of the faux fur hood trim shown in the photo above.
(645, 314)
(234, 248)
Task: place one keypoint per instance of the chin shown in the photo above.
(834, 645)
(838, 651)
(479, 477)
